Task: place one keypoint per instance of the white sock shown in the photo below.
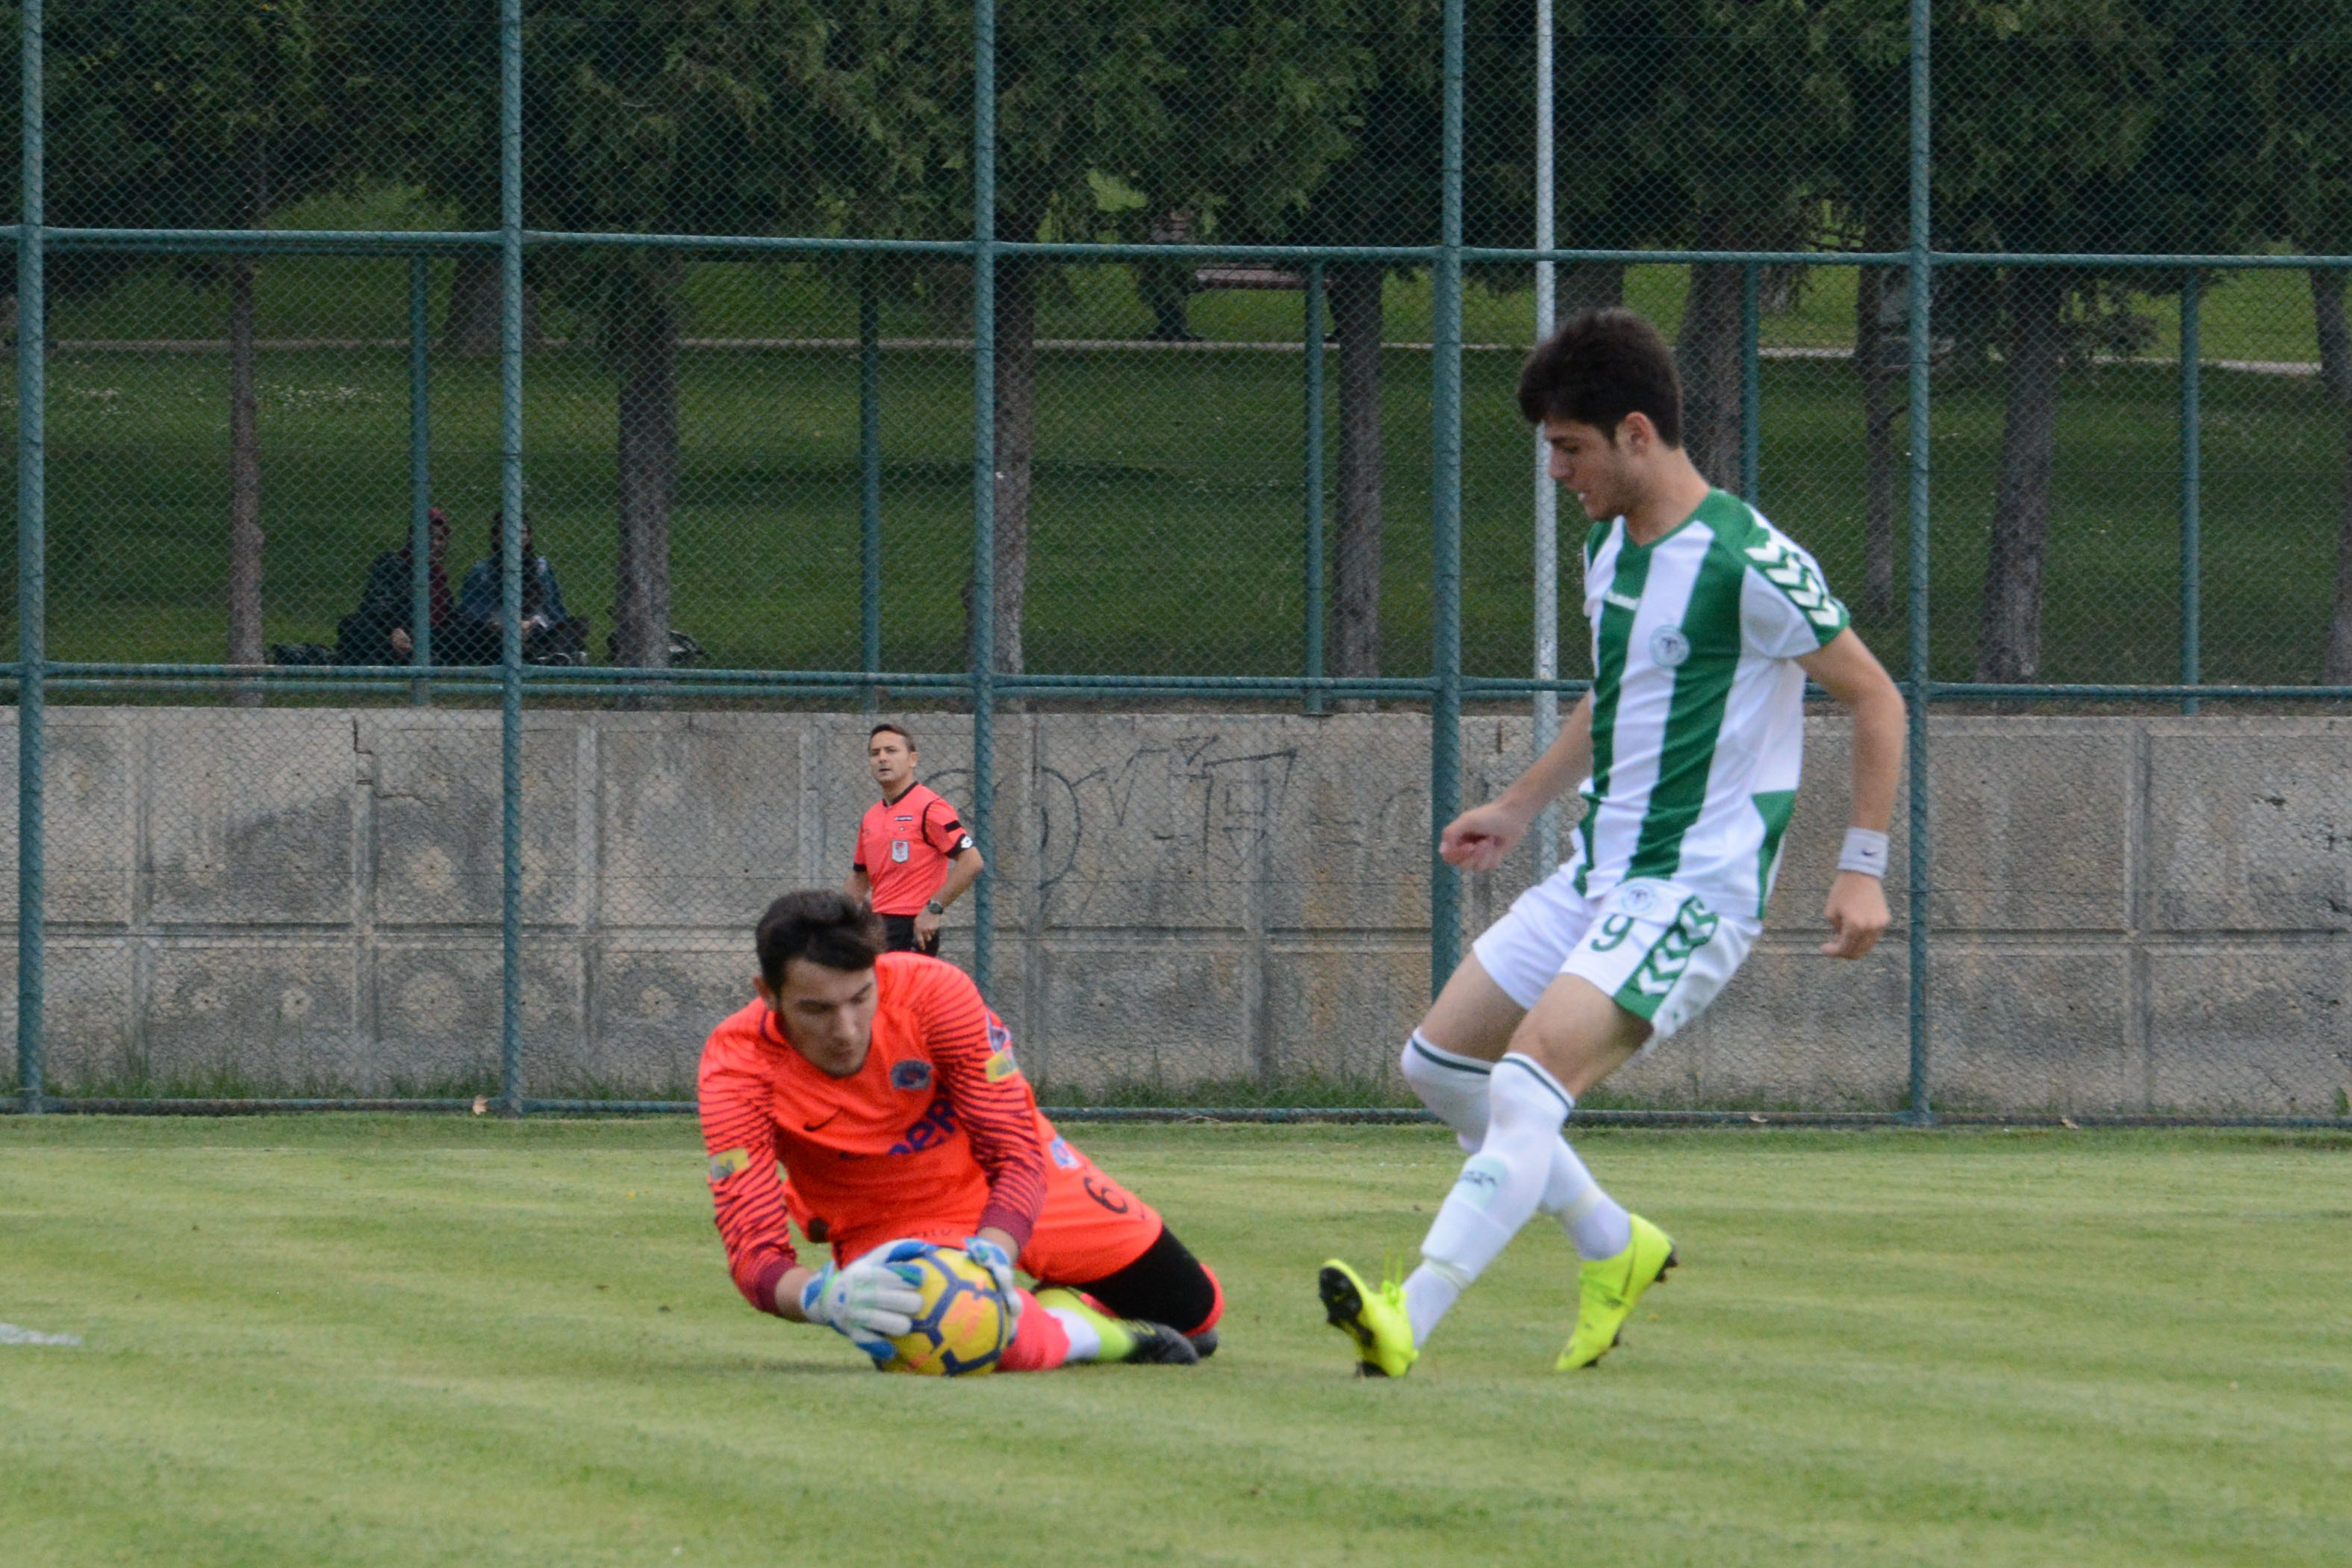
(1454, 1088)
(1430, 1291)
(1595, 1222)
(1085, 1340)
(1501, 1183)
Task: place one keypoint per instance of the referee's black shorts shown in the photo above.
(900, 930)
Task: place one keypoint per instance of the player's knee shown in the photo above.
(1166, 1285)
(1453, 1087)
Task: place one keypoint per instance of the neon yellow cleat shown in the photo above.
(1608, 1290)
(1375, 1320)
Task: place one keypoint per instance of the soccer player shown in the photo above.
(914, 859)
(887, 1092)
(1706, 622)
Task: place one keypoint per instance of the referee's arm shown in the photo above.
(964, 867)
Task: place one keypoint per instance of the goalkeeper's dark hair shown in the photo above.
(822, 926)
(1601, 366)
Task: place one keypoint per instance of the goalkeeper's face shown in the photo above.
(826, 1014)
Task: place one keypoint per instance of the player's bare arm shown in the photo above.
(1851, 674)
(1481, 837)
(858, 884)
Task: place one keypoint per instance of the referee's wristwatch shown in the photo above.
(935, 906)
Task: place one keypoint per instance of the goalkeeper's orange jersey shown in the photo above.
(936, 1136)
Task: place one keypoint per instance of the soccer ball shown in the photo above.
(963, 1328)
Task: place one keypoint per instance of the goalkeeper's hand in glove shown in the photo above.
(992, 1257)
(870, 1302)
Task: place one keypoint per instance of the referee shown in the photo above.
(914, 859)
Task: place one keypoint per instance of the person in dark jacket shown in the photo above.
(551, 634)
(378, 631)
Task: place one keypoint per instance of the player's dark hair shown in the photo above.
(823, 925)
(1601, 366)
(888, 728)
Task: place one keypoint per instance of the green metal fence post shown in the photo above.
(420, 476)
(511, 549)
(1544, 710)
(869, 476)
(1922, 297)
(1315, 608)
(1445, 529)
(2192, 569)
(32, 565)
(1751, 380)
(983, 483)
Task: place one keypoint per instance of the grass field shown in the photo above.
(345, 1341)
(1167, 534)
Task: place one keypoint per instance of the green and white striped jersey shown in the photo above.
(1697, 707)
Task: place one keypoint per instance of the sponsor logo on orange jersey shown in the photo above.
(730, 1163)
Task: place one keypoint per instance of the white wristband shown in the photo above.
(1865, 851)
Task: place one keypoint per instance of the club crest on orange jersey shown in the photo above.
(912, 1075)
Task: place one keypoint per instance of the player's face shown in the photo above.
(891, 760)
(827, 1014)
(1591, 465)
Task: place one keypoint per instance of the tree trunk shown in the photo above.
(243, 485)
(644, 336)
(1357, 317)
(1016, 450)
(2336, 379)
(469, 326)
(2339, 630)
(1876, 339)
(1708, 354)
(2334, 335)
(2011, 645)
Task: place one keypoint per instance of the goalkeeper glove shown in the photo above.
(992, 1257)
(870, 1302)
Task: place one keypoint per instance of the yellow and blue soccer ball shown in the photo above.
(962, 1329)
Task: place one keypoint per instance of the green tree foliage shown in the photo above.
(2071, 126)
(1229, 111)
(205, 114)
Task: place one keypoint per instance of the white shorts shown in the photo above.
(1656, 947)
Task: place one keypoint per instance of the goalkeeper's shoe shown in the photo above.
(1608, 1290)
(1374, 1319)
(1135, 1340)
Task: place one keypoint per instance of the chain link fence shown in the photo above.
(481, 467)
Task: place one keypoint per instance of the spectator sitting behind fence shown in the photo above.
(551, 635)
(378, 631)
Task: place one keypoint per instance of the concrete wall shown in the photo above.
(2131, 913)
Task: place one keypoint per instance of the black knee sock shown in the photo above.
(1166, 1285)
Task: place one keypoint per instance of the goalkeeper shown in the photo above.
(886, 1092)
